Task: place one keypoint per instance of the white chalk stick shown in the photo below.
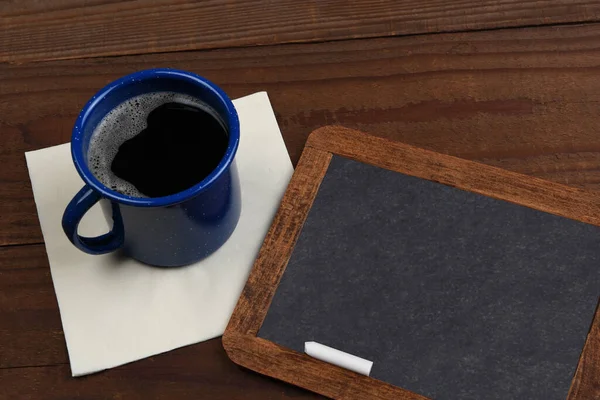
(339, 358)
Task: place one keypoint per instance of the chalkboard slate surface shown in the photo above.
(452, 294)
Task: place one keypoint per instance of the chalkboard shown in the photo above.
(452, 294)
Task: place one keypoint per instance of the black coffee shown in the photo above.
(157, 144)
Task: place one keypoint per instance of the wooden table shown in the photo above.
(514, 84)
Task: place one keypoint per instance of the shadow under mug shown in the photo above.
(172, 230)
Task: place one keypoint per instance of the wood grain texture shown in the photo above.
(32, 30)
(586, 384)
(281, 239)
(301, 370)
(263, 356)
(526, 100)
(239, 339)
(200, 371)
(30, 329)
(550, 197)
(521, 99)
(34, 362)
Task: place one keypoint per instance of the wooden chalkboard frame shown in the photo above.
(240, 338)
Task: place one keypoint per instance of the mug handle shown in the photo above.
(78, 206)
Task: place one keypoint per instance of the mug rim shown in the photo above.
(80, 159)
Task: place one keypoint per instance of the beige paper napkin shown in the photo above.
(116, 311)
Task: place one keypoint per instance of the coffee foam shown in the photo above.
(122, 123)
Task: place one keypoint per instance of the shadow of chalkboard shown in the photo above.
(452, 294)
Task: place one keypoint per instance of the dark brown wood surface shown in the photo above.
(522, 99)
(59, 29)
(240, 338)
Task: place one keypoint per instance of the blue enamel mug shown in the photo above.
(165, 231)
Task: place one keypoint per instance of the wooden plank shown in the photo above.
(521, 99)
(195, 372)
(263, 356)
(550, 197)
(32, 30)
(301, 370)
(282, 236)
(34, 361)
(585, 383)
(30, 327)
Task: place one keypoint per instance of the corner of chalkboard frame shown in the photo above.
(240, 338)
